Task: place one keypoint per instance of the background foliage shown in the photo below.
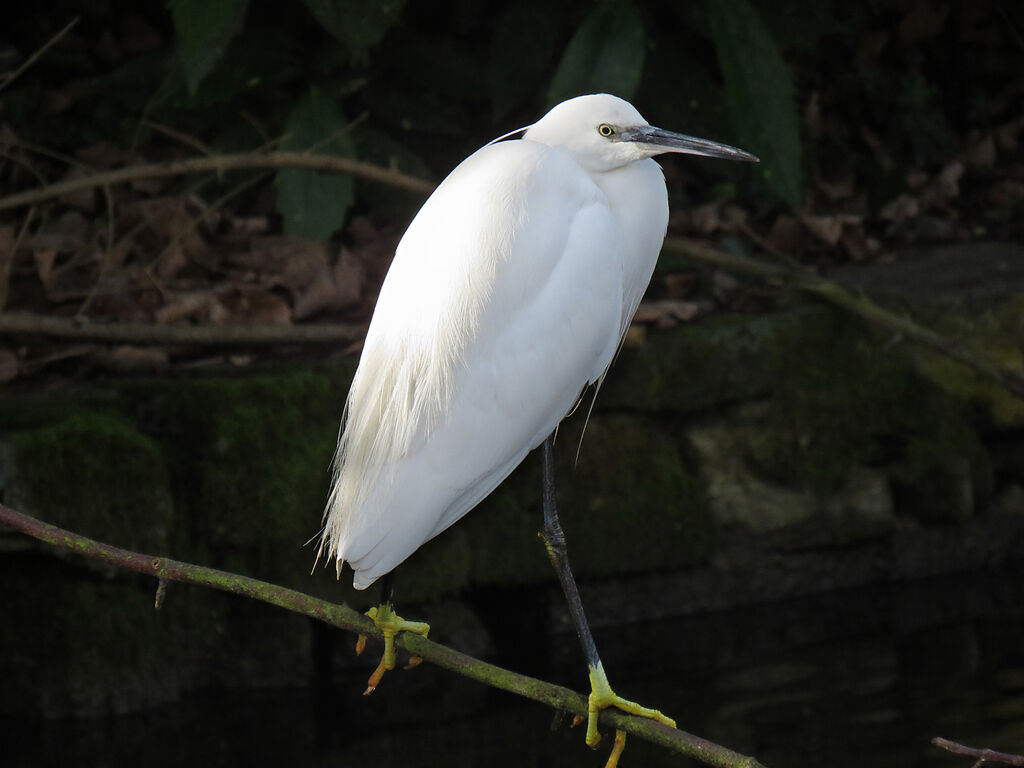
(417, 86)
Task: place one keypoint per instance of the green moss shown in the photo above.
(503, 530)
(631, 505)
(1005, 409)
(725, 358)
(95, 473)
(848, 400)
(251, 461)
(75, 642)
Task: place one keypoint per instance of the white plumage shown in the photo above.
(508, 294)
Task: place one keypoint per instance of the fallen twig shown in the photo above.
(343, 617)
(10, 77)
(983, 755)
(24, 324)
(856, 304)
(221, 163)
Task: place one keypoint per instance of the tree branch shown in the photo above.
(983, 755)
(346, 618)
(858, 305)
(220, 164)
(25, 324)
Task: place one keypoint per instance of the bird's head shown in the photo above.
(605, 132)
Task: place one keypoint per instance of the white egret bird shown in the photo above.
(508, 296)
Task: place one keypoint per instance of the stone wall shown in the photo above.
(733, 460)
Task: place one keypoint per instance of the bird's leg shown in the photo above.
(601, 694)
(389, 623)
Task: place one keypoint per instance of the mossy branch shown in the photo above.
(346, 618)
(856, 304)
(220, 164)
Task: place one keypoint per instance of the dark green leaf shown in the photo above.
(381, 149)
(760, 93)
(203, 29)
(797, 24)
(605, 55)
(357, 24)
(523, 43)
(314, 204)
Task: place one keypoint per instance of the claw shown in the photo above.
(390, 624)
(617, 747)
(601, 697)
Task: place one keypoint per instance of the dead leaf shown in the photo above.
(335, 289)
(1007, 134)
(635, 336)
(923, 22)
(295, 262)
(812, 115)
(151, 186)
(10, 365)
(148, 226)
(871, 46)
(373, 247)
(1007, 194)
(7, 238)
(8, 138)
(138, 35)
(128, 359)
(255, 306)
(982, 153)
(103, 155)
(171, 261)
(665, 314)
(202, 306)
(248, 226)
(680, 284)
(836, 190)
(786, 234)
(916, 178)
(947, 185)
(83, 199)
(723, 285)
(828, 229)
(857, 245)
(902, 208)
(704, 219)
(44, 259)
(872, 139)
(31, 366)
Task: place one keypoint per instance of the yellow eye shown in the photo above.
(605, 130)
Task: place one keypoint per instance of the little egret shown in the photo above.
(508, 296)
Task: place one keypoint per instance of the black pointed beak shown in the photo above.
(667, 141)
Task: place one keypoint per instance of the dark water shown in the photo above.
(859, 678)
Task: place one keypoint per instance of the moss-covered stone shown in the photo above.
(632, 505)
(75, 642)
(94, 472)
(250, 460)
(724, 359)
(848, 401)
(828, 423)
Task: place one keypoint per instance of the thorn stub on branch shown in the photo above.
(161, 591)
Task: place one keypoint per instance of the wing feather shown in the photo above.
(504, 300)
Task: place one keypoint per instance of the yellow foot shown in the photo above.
(390, 623)
(601, 697)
